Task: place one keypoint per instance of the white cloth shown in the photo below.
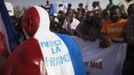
(74, 24)
(99, 61)
(53, 49)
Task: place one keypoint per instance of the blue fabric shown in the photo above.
(75, 54)
(11, 32)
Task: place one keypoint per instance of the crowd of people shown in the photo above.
(115, 23)
(90, 25)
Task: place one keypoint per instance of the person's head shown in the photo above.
(47, 2)
(106, 14)
(61, 17)
(130, 9)
(95, 4)
(35, 21)
(70, 13)
(128, 0)
(60, 5)
(115, 13)
(80, 15)
(61, 14)
(69, 5)
(97, 17)
(80, 5)
(89, 16)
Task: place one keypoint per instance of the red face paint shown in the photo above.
(31, 21)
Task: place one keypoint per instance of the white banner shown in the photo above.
(99, 61)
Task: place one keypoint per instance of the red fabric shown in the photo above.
(26, 60)
(114, 30)
(31, 21)
(3, 47)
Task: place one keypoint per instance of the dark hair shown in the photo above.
(95, 3)
(80, 5)
(69, 5)
(47, 2)
(60, 5)
(129, 0)
(60, 12)
(130, 9)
